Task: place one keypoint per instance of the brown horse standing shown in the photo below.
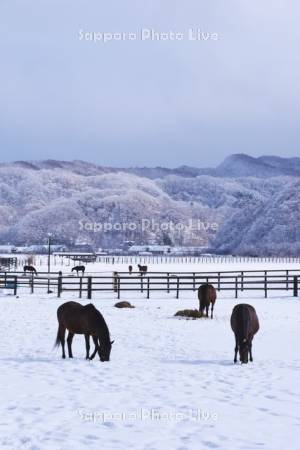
(207, 295)
(143, 269)
(30, 269)
(244, 323)
(78, 269)
(87, 320)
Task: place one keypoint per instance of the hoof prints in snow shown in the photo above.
(170, 384)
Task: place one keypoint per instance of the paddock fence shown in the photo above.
(89, 285)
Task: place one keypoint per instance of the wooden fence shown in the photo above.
(201, 259)
(63, 261)
(118, 282)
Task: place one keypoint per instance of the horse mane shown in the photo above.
(103, 328)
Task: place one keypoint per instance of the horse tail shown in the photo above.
(57, 342)
(246, 323)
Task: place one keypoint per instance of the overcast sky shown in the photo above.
(147, 102)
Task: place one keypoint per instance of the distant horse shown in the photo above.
(207, 295)
(130, 268)
(244, 323)
(79, 269)
(87, 320)
(143, 269)
(30, 269)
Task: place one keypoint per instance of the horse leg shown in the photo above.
(212, 311)
(235, 350)
(250, 351)
(96, 347)
(62, 334)
(207, 308)
(69, 341)
(87, 345)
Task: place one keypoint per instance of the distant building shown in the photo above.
(83, 247)
(7, 249)
(149, 250)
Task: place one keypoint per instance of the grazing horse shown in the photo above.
(207, 295)
(143, 269)
(79, 269)
(87, 320)
(30, 269)
(244, 323)
(130, 268)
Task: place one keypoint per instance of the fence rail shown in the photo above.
(118, 282)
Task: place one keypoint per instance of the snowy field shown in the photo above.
(170, 384)
(65, 265)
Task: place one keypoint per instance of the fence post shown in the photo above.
(32, 283)
(242, 281)
(236, 287)
(119, 288)
(266, 285)
(59, 286)
(89, 288)
(194, 282)
(295, 286)
(115, 281)
(177, 288)
(142, 283)
(148, 287)
(219, 282)
(15, 285)
(80, 287)
(168, 283)
(287, 280)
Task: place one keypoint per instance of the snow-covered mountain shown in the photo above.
(245, 205)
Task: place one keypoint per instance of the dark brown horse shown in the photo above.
(244, 324)
(207, 295)
(79, 269)
(30, 269)
(143, 269)
(87, 320)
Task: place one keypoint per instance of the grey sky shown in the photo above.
(168, 103)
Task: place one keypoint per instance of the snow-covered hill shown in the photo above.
(245, 205)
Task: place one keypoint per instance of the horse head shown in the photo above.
(104, 351)
(244, 349)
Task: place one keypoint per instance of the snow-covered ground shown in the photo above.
(156, 265)
(170, 384)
